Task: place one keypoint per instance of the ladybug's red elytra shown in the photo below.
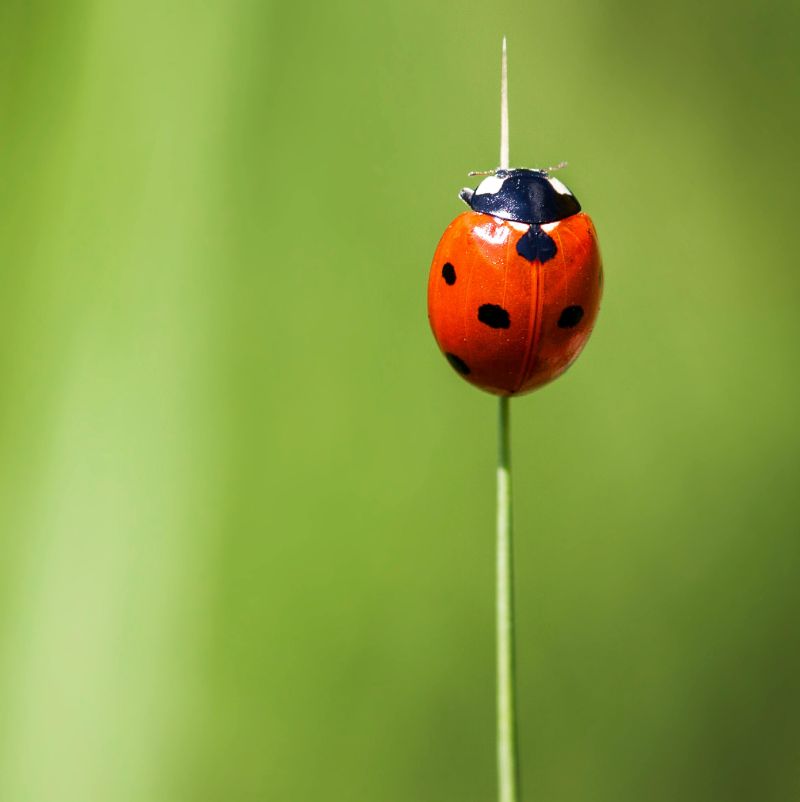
(515, 283)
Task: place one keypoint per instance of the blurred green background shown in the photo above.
(246, 508)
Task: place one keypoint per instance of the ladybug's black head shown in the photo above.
(527, 196)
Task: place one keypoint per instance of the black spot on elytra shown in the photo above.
(449, 274)
(494, 316)
(459, 364)
(570, 317)
(536, 244)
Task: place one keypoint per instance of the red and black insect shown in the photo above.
(515, 283)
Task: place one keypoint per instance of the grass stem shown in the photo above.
(507, 768)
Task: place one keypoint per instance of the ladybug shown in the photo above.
(515, 284)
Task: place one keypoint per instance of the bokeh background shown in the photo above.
(246, 508)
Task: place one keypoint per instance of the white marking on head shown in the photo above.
(492, 233)
(558, 186)
(518, 226)
(548, 227)
(489, 186)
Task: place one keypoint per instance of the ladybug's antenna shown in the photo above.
(504, 110)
